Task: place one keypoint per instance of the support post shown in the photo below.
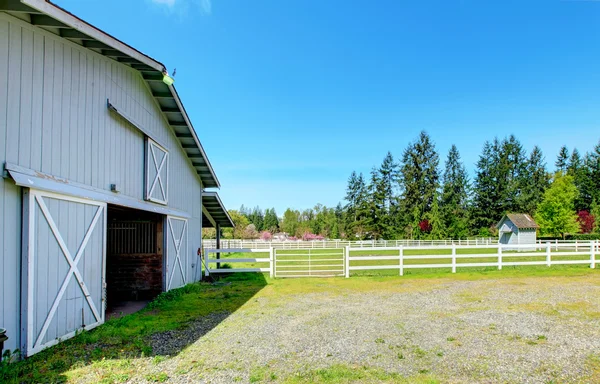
(548, 255)
(271, 262)
(206, 269)
(499, 256)
(593, 246)
(347, 261)
(218, 244)
(401, 251)
(454, 258)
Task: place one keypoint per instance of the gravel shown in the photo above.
(515, 330)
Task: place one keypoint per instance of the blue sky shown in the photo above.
(288, 97)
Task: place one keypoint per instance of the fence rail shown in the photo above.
(208, 260)
(325, 244)
(341, 262)
(551, 253)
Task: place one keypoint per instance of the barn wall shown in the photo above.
(54, 119)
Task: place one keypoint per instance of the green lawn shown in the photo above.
(326, 257)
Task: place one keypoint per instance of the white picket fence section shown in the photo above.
(340, 262)
(310, 263)
(208, 260)
(587, 251)
(326, 244)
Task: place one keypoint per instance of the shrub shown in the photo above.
(584, 236)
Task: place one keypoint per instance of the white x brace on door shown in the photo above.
(177, 252)
(64, 247)
(157, 173)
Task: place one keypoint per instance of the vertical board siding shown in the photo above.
(53, 119)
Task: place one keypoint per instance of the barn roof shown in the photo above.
(52, 18)
(520, 220)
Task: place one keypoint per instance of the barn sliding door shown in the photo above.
(64, 247)
(176, 252)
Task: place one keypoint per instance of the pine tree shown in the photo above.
(486, 203)
(535, 182)
(562, 159)
(356, 209)
(419, 180)
(577, 168)
(501, 178)
(593, 168)
(271, 222)
(387, 179)
(257, 218)
(376, 212)
(438, 230)
(455, 196)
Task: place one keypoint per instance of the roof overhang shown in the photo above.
(214, 213)
(54, 19)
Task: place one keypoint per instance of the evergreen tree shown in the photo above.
(556, 213)
(455, 196)
(562, 160)
(257, 218)
(271, 222)
(577, 168)
(500, 180)
(376, 212)
(486, 202)
(384, 198)
(356, 209)
(592, 163)
(438, 230)
(419, 180)
(535, 182)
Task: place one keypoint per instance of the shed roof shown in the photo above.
(50, 17)
(520, 220)
(211, 204)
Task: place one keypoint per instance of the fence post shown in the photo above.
(499, 257)
(593, 246)
(556, 247)
(453, 258)
(576, 245)
(401, 251)
(347, 261)
(206, 271)
(272, 262)
(548, 255)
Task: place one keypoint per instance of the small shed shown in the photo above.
(517, 228)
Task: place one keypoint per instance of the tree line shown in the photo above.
(417, 197)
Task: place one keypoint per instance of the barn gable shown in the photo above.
(97, 151)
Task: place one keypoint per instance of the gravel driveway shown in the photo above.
(516, 330)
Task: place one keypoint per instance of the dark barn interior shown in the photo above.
(134, 259)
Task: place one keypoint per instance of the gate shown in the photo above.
(64, 248)
(309, 263)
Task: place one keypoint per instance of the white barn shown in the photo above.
(517, 228)
(103, 181)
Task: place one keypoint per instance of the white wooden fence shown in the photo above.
(338, 262)
(585, 253)
(326, 244)
(208, 260)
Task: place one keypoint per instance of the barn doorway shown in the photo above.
(134, 259)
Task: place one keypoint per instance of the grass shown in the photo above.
(120, 350)
(111, 348)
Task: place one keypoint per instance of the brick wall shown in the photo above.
(133, 276)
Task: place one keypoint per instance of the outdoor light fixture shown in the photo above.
(167, 79)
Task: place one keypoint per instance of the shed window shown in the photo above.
(157, 173)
